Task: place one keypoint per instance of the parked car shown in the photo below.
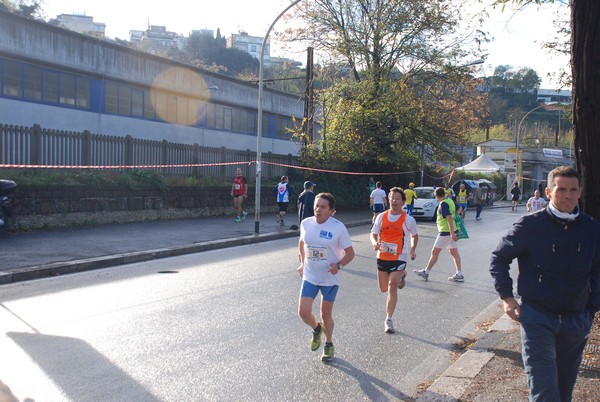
(426, 204)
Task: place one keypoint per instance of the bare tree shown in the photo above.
(375, 37)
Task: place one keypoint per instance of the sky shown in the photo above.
(517, 42)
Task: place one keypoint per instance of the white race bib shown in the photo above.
(317, 253)
(391, 248)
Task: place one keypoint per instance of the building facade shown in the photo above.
(64, 80)
(250, 45)
(534, 163)
(82, 23)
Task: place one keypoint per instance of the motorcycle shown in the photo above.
(6, 189)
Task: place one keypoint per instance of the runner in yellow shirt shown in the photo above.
(411, 196)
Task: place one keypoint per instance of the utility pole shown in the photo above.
(309, 103)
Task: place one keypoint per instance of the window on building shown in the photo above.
(265, 124)
(195, 111)
(111, 98)
(210, 115)
(182, 110)
(252, 119)
(84, 92)
(219, 111)
(137, 102)
(161, 106)
(171, 109)
(282, 126)
(33, 83)
(50, 86)
(227, 117)
(149, 112)
(12, 85)
(67, 89)
(124, 100)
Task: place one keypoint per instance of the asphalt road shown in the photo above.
(222, 325)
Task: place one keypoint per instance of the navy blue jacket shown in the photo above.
(559, 262)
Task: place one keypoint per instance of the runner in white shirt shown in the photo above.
(535, 203)
(378, 200)
(325, 248)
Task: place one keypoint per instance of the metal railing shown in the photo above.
(46, 147)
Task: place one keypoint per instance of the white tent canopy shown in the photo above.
(483, 164)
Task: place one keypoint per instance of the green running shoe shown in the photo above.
(315, 341)
(328, 350)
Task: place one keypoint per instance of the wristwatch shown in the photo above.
(340, 266)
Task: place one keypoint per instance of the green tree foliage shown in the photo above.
(24, 8)
(396, 53)
(511, 94)
(387, 131)
(205, 50)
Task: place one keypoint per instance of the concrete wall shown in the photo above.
(41, 43)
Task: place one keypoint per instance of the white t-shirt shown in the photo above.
(324, 244)
(536, 205)
(410, 229)
(378, 196)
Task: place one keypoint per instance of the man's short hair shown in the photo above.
(562, 171)
(378, 184)
(329, 197)
(440, 192)
(397, 190)
(283, 178)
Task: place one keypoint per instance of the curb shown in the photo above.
(88, 264)
(457, 378)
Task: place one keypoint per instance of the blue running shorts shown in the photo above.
(310, 290)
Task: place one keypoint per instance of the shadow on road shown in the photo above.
(73, 365)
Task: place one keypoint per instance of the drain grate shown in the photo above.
(489, 341)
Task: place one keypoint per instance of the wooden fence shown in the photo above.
(39, 146)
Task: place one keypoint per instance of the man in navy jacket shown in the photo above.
(558, 251)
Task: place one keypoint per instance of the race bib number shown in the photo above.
(238, 186)
(391, 248)
(317, 253)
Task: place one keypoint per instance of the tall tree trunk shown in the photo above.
(585, 64)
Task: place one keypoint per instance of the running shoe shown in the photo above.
(237, 219)
(456, 278)
(389, 326)
(422, 273)
(402, 282)
(277, 218)
(244, 213)
(328, 350)
(315, 340)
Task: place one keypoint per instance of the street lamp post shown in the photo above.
(425, 96)
(259, 122)
(517, 169)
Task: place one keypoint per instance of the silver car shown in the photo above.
(425, 206)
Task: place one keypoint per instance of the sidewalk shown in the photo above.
(61, 251)
(490, 369)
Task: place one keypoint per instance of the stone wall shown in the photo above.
(44, 200)
(40, 207)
